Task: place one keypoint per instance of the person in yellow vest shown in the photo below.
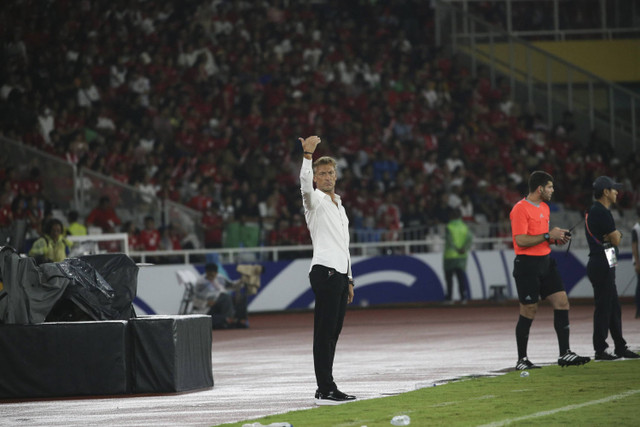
(52, 246)
(75, 228)
(458, 239)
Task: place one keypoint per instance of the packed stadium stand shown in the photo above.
(202, 103)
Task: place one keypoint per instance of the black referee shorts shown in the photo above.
(536, 277)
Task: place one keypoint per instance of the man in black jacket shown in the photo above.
(604, 239)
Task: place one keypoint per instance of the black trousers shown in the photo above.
(221, 310)
(607, 315)
(461, 276)
(331, 290)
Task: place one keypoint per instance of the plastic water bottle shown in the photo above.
(256, 424)
(401, 420)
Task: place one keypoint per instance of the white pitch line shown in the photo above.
(563, 409)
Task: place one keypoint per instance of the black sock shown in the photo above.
(522, 335)
(561, 325)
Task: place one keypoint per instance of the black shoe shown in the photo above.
(335, 397)
(572, 359)
(628, 354)
(524, 364)
(606, 356)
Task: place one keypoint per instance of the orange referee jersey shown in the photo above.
(527, 218)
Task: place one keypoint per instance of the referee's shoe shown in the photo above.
(524, 364)
(572, 359)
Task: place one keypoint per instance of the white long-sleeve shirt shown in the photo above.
(327, 223)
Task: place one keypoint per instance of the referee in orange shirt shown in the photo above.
(536, 273)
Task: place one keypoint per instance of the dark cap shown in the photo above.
(604, 183)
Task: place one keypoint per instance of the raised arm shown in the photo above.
(309, 146)
(306, 171)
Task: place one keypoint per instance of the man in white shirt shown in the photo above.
(330, 274)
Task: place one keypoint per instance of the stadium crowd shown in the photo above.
(202, 103)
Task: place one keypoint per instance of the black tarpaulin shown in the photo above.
(74, 289)
(121, 273)
(171, 353)
(29, 292)
(64, 359)
(116, 354)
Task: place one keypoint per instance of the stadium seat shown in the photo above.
(496, 292)
(188, 279)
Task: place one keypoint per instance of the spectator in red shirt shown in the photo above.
(133, 235)
(33, 185)
(213, 224)
(35, 212)
(202, 201)
(6, 216)
(149, 236)
(171, 238)
(279, 236)
(298, 231)
(103, 216)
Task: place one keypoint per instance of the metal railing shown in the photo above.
(56, 175)
(547, 82)
(615, 18)
(68, 188)
(564, 35)
(131, 204)
(431, 240)
(276, 253)
(433, 244)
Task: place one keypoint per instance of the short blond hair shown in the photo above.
(325, 160)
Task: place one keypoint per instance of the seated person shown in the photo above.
(211, 296)
(52, 246)
(103, 216)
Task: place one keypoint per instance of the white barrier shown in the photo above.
(379, 280)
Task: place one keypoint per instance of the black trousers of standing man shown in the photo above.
(607, 316)
(461, 276)
(331, 290)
